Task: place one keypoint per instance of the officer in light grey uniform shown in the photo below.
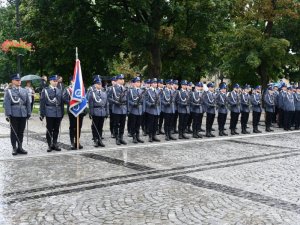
(196, 104)
(235, 108)
(99, 110)
(135, 109)
(52, 107)
(297, 108)
(210, 106)
(269, 100)
(221, 101)
(17, 111)
(245, 108)
(288, 108)
(168, 109)
(183, 107)
(256, 108)
(118, 99)
(152, 108)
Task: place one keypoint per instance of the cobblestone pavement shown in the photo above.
(244, 179)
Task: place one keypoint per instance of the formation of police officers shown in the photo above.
(153, 108)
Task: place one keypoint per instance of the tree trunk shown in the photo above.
(155, 60)
(264, 78)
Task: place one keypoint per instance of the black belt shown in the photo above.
(98, 106)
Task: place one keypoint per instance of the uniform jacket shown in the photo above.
(256, 102)
(234, 102)
(221, 101)
(210, 102)
(135, 101)
(183, 102)
(269, 101)
(98, 103)
(297, 101)
(288, 102)
(196, 102)
(51, 102)
(152, 101)
(245, 102)
(168, 101)
(17, 103)
(118, 99)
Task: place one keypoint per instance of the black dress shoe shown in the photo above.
(49, 149)
(139, 139)
(96, 143)
(56, 148)
(220, 133)
(155, 139)
(15, 151)
(21, 151)
(100, 143)
(224, 134)
(122, 140)
(212, 135)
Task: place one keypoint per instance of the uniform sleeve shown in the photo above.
(66, 97)
(91, 103)
(7, 104)
(42, 104)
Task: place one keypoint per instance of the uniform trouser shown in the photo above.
(152, 123)
(256, 118)
(244, 119)
(135, 123)
(288, 115)
(175, 117)
(129, 121)
(111, 122)
(234, 117)
(119, 124)
(144, 122)
(161, 120)
(183, 120)
(168, 119)
(18, 125)
(297, 119)
(210, 117)
(280, 117)
(274, 118)
(97, 126)
(197, 119)
(269, 117)
(52, 126)
(190, 121)
(221, 121)
(73, 126)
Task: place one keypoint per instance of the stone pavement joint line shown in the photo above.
(117, 162)
(128, 181)
(269, 201)
(146, 173)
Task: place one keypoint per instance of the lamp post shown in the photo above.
(18, 33)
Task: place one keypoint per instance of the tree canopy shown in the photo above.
(247, 41)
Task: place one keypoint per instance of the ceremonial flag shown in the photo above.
(78, 99)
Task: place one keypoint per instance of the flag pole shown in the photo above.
(77, 130)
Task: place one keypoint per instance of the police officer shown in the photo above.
(147, 84)
(221, 101)
(111, 118)
(17, 111)
(256, 108)
(235, 108)
(196, 103)
(168, 109)
(72, 119)
(210, 105)
(297, 108)
(183, 107)
(118, 98)
(52, 107)
(280, 96)
(99, 110)
(276, 93)
(152, 103)
(190, 119)
(289, 108)
(245, 108)
(135, 109)
(160, 87)
(175, 117)
(269, 100)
